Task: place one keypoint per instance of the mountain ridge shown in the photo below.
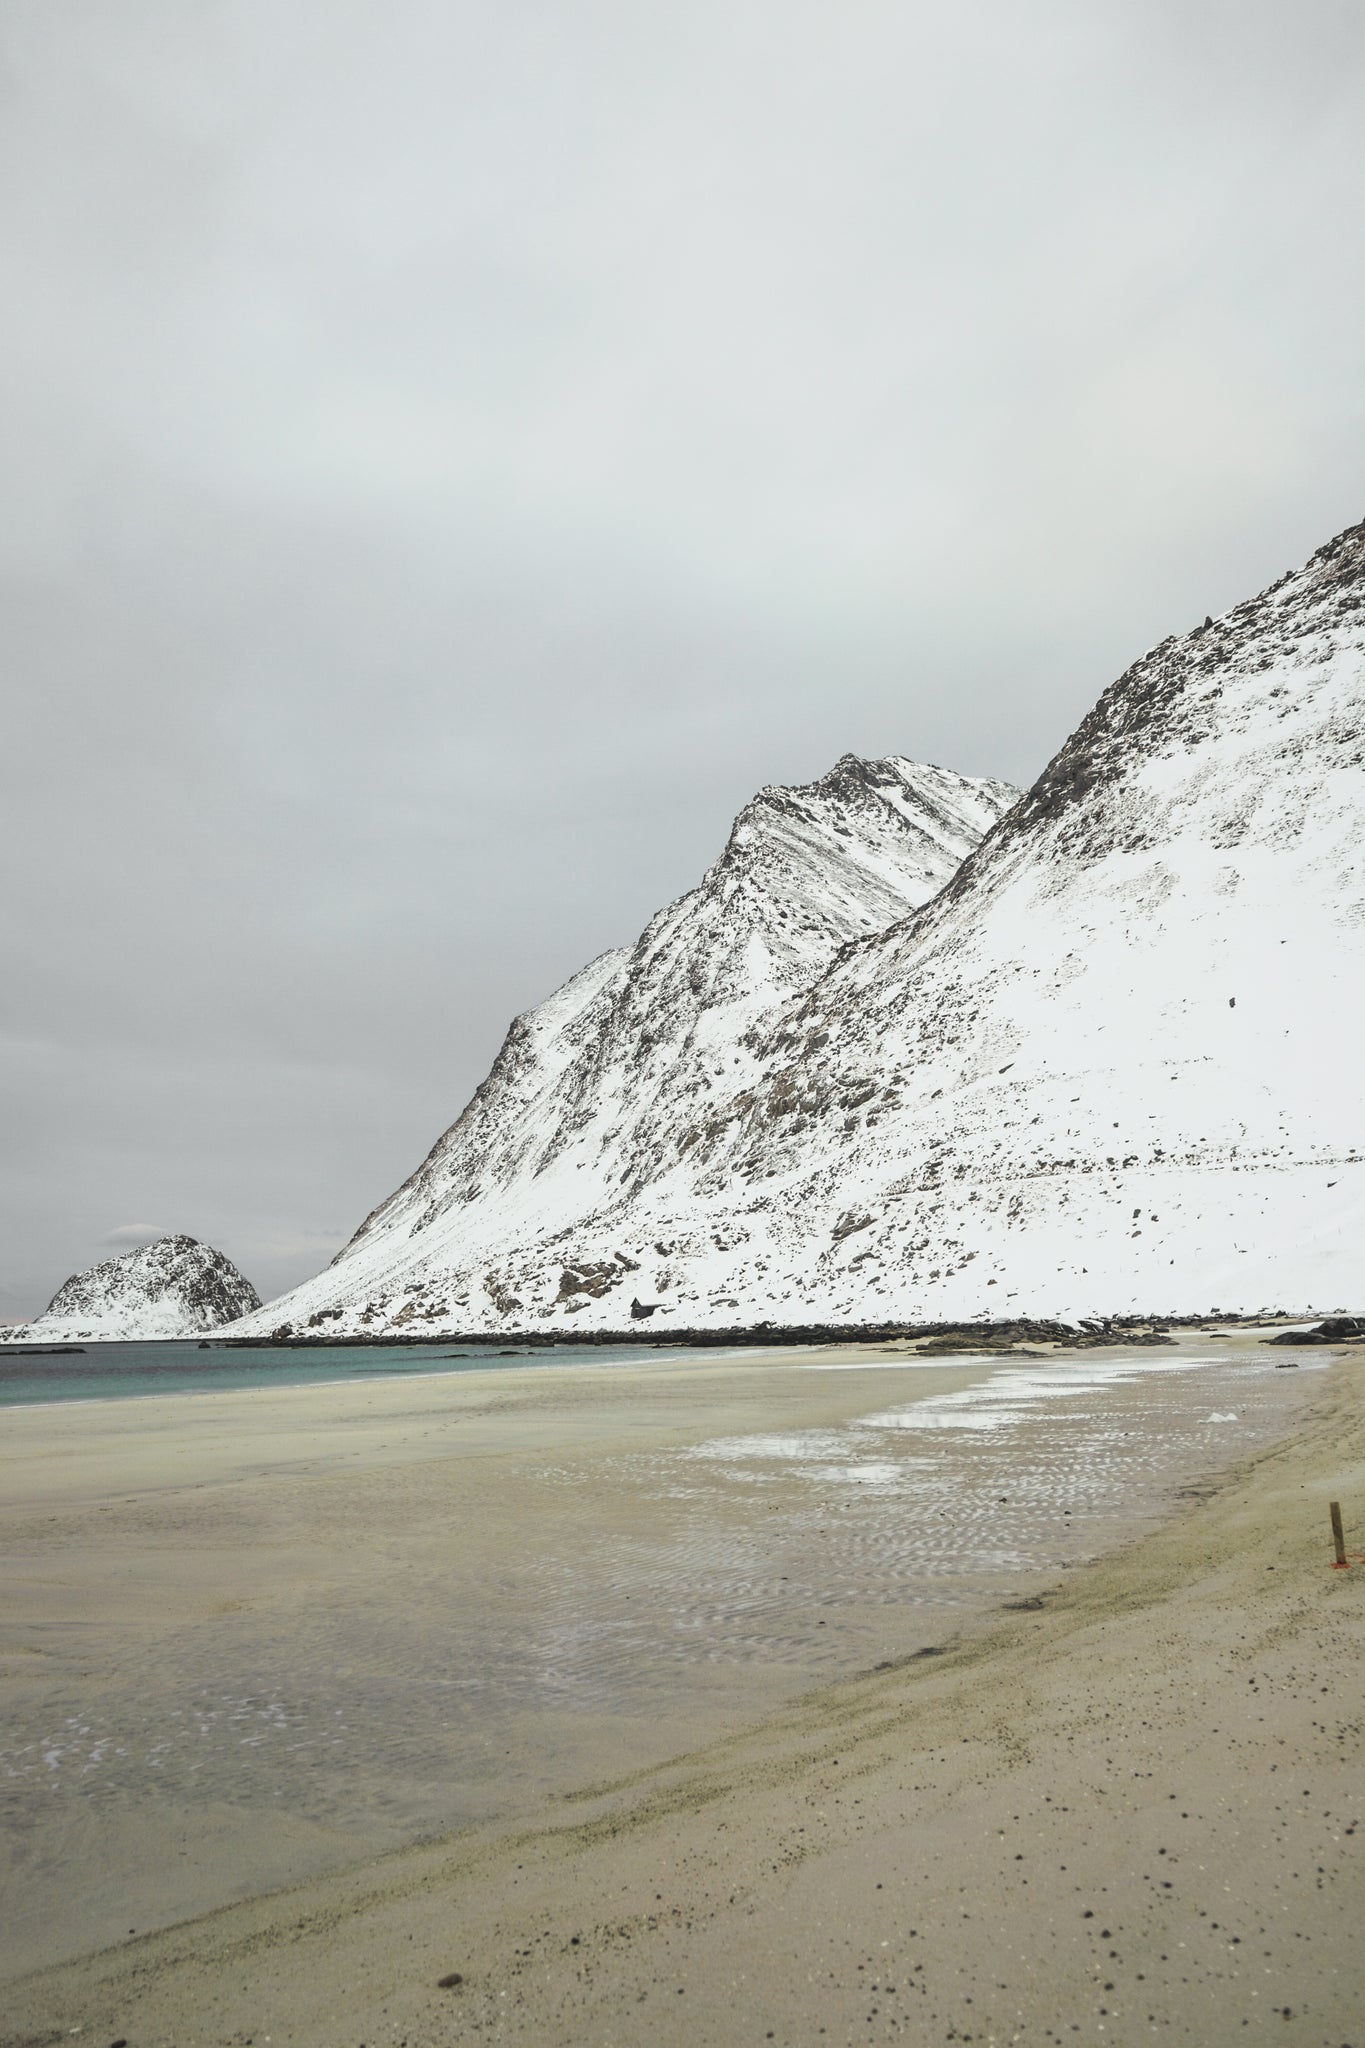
(803, 868)
(1072, 1082)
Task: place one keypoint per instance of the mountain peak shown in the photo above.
(594, 1093)
(173, 1287)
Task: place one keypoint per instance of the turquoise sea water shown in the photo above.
(102, 1372)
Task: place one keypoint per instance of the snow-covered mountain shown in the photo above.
(174, 1287)
(1112, 1066)
(604, 1081)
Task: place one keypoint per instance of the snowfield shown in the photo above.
(1110, 1067)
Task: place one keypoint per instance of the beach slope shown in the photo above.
(1131, 1811)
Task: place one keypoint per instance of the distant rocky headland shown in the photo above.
(172, 1287)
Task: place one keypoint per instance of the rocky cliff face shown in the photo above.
(597, 1090)
(175, 1287)
(1111, 1066)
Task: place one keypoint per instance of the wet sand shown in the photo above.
(772, 1526)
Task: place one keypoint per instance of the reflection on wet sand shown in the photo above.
(263, 1651)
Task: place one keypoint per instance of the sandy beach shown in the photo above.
(1120, 1795)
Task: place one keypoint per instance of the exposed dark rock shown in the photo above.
(1332, 1330)
(595, 1280)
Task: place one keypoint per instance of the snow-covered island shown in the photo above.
(173, 1287)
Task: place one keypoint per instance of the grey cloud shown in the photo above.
(454, 455)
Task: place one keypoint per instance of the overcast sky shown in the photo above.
(452, 452)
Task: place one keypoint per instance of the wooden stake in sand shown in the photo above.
(1338, 1536)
